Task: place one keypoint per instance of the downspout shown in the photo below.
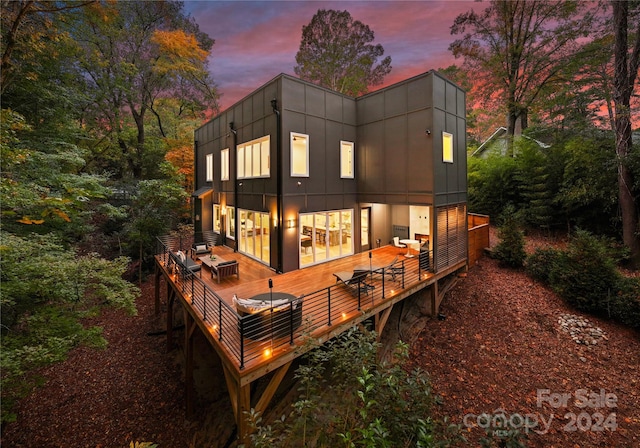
(235, 185)
(194, 187)
(279, 180)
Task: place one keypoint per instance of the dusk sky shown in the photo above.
(257, 40)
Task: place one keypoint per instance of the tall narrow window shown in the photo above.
(447, 147)
(224, 164)
(209, 167)
(299, 155)
(253, 158)
(346, 160)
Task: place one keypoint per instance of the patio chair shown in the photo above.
(355, 281)
(394, 269)
(397, 243)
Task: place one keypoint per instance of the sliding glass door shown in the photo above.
(325, 236)
(254, 235)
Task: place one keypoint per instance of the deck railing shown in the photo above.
(247, 339)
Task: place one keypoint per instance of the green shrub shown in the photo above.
(540, 263)
(585, 275)
(510, 250)
(349, 398)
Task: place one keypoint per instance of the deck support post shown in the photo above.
(157, 289)
(171, 296)
(381, 321)
(190, 326)
(272, 387)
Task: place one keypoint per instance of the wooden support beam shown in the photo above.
(232, 387)
(381, 321)
(157, 289)
(171, 297)
(434, 299)
(244, 406)
(272, 387)
(190, 325)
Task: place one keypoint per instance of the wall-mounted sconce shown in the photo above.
(428, 132)
(275, 221)
(299, 183)
(291, 223)
(197, 217)
(240, 184)
(223, 210)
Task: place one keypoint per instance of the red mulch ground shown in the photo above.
(499, 343)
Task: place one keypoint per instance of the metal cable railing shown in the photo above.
(273, 330)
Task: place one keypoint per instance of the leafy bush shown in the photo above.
(510, 251)
(540, 264)
(586, 276)
(348, 398)
(46, 290)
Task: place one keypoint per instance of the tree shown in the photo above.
(516, 48)
(626, 72)
(335, 52)
(133, 55)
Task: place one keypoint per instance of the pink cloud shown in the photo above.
(256, 41)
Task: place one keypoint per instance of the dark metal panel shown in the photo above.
(439, 167)
(334, 107)
(439, 92)
(394, 153)
(420, 146)
(314, 101)
(332, 180)
(257, 104)
(451, 98)
(349, 115)
(395, 100)
(420, 92)
(461, 101)
(293, 96)
(452, 168)
(370, 159)
(316, 203)
(370, 108)
(317, 154)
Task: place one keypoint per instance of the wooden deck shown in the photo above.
(328, 309)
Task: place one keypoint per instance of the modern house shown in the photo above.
(294, 174)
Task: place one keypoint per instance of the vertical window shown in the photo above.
(346, 160)
(264, 158)
(224, 164)
(240, 161)
(299, 155)
(447, 147)
(231, 222)
(209, 167)
(253, 158)
(216, 218)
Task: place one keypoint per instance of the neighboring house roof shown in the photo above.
(497, 143)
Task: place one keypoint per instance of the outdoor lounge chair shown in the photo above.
(356, 281)
(186, 262)
(394, 269)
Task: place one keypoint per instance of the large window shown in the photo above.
(209, 167)
(224, 164)
(299, 155)
(346, 160)
(447, 147)
(216, 217)
(231, 222)
(254, 235)
(325, 236)
(253, 158)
